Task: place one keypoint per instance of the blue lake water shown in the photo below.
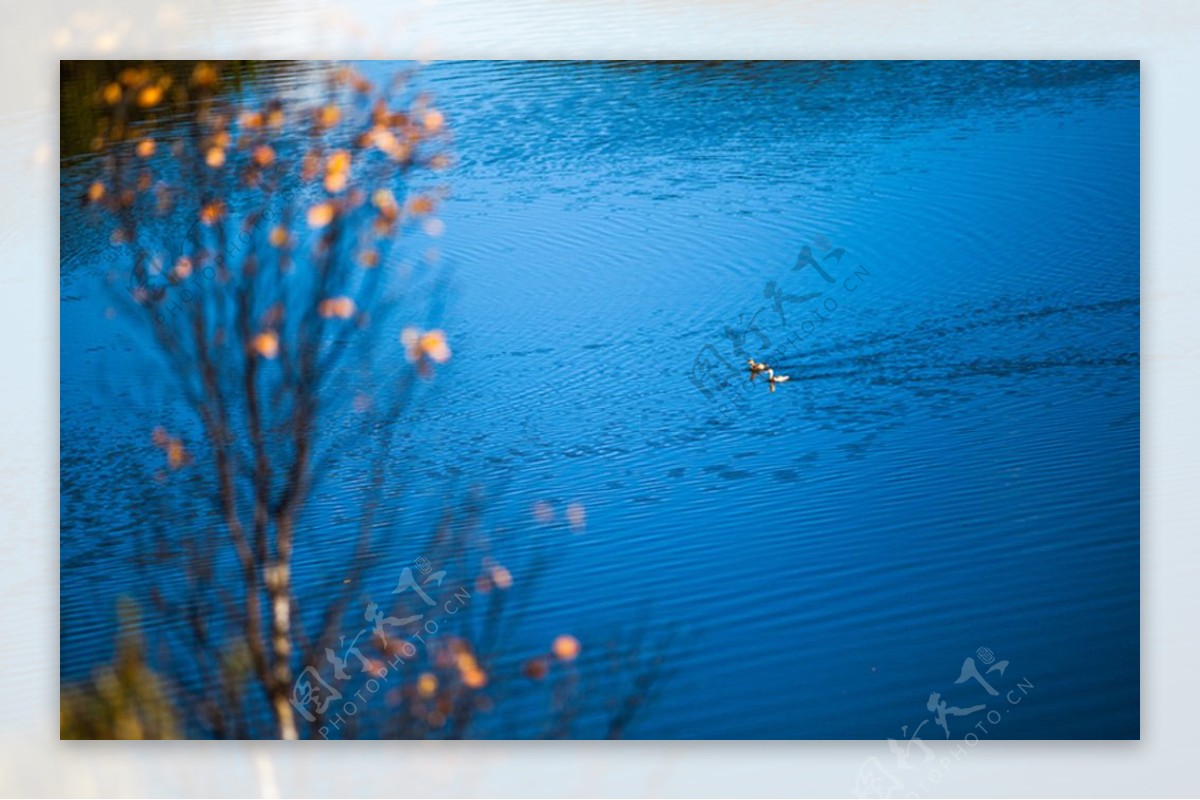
(954, 464)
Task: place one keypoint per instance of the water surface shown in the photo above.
(953, 466)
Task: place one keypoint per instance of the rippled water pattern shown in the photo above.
(954, 465)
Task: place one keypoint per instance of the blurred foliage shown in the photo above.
(255, 238)
(82, 83)
(122, 700)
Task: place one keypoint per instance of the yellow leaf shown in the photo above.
(433, 345)
(150, 96)
(339, 161)
(421, 345)
(328, 116)
(205, 76)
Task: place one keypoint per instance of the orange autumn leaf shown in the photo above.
(264, 155)
(382, 228)
(387, 142)
(433, 344)
(339, 307)
(335, 182)
(420, 205)
(133, 77)
(212, 212)
(385, 201)
(205, 76)
(266, 344)
(175, 454)
(383, 198)
(433, 120)
(566, 647)
(150, 96)
(501, 577)
(339, 161)
(337, 171)
(473, 677)
(320, 215)
(421, 345)
(328, 116)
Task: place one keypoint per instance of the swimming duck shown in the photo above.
(773, 379)
(756, 367)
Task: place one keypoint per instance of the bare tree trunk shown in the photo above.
(244, 391)
(278, 582)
